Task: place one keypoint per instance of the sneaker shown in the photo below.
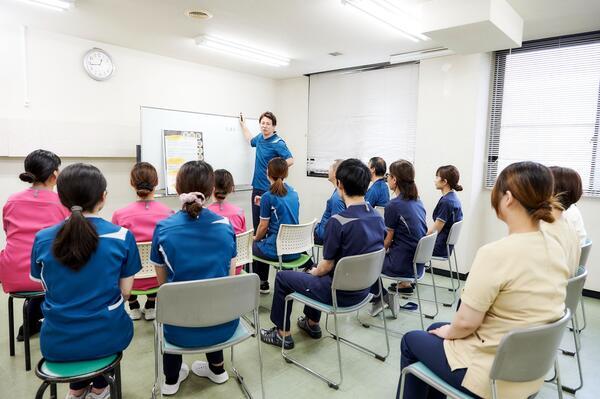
(135, 314)
(264, 287)
(82, 396)
(149, 313)
(105, 394)
(201, 369)
(402, 290)
(377, 307)
(272, 337)
(33, 330)
(313, 331)
(171, 389)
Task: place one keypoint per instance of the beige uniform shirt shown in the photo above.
(518, 281)
(564, 232)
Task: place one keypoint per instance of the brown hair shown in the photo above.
(451, 175)
(531, 184)
(567, 186)
(404, 172)
(143, 178)
(195, 176)
(278, 170)
(39, 166)
(223, 184)
(268, 115)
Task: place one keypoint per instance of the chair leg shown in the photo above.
(260, 359)
(582, 302)
(239, 378)
(576, 330)
(114, 392)
(26, 334)
(11, 326)
(419, 297)
(494, 390)
(118, 381)
(437, 309)
(41, 390)
(53, 393)
(558, 383)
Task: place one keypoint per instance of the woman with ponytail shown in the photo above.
(86, 265)
(24, 214)
(140, 218)
(448, 209)
(516, 282)
(279, 205)
(194, 244)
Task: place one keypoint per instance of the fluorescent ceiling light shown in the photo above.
(391, 13)
(60, 5)
(242, 51)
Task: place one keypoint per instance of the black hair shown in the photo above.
(39, 166)
(223, 184)
(354, 176)
(379, 165)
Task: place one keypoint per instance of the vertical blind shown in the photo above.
(546, 107)
(362, 114)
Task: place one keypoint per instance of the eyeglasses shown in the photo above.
(386, 175)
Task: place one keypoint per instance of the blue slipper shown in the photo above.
(410, 306)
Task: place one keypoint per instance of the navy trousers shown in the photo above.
(421, 346)
(255, 208)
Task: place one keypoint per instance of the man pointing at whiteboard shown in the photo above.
(268, 146)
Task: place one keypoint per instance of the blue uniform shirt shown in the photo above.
(449, 211)
(407, 219)
(195, 249)
(278, 210)
(84, 315)
(378, 194)
(266, 149)
(334, 206)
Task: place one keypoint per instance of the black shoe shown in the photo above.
(33, 330)
(264, 287)
(272, 337)
(403, 290)
(313, 331)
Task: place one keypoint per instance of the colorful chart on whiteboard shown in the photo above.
(180, 147)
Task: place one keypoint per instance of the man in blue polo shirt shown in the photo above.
(334, 205)
(379, 193)
(268, 146)
(357, 230)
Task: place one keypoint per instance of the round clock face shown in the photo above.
(98, 64)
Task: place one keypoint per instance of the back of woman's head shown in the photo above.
(223, 184)
(404, 172)
(532, 185)
(195, 183)
(143, 179)
(567, 186)
(451, 175)
(278, 171)
(39, 166)
(81, 188)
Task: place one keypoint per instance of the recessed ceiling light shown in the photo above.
(199, 14)
(335, 54)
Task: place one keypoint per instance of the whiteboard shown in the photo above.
(224, 144)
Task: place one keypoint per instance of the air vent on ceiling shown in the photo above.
(199, 14)
(335, 54)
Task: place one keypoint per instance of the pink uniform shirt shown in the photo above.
(140, 218)
(236, 218)
(24, 214)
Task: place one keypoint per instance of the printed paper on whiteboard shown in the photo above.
(180, 147)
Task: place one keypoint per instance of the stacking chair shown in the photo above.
(583, 258)
(207, 303)
(292, 239)
(244, 249)
(451, 251)
(27, 297)
(352, 273)
(148, 270)
(523, 355)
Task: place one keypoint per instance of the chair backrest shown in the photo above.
(424, 250)
(354, 273)
(148, 270)
(527, 354)
(574, 290)
(296, 238)
(206, 303)
(381, 210)
(585, 253)
(244, 248)
(454, 233)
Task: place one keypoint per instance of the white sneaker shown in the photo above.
(102, 395)
(201, 369)
(149, 313)
(82, 396)
(168, 389)
(377, 308)
(135, 314)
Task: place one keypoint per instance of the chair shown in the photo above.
(523, 355)
(451, 251)
(381, 210)
(207, 303)
(292, 239)
(148, 270)
(53, 373)
(583, 258)
(27, 296)
(244, 249)
(352, 273)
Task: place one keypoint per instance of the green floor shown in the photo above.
(364, 376)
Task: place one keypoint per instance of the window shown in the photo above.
(362, 114)
(546, 107)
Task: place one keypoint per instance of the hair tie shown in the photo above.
(190, 198)
(145, 186)
(76, 208)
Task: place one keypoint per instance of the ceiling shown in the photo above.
(304, 30)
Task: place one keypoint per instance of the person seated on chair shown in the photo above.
(379, 193)
(194, 244)
(406, 225)
(140, 218)
(516, 282)
(279, 205)
(567, 182)
(359, 229)
(24, 214)
(86, 265)
(334, 204)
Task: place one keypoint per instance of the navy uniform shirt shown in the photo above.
(449, 211)
(334, 206)
(378, 194)
(266, 149)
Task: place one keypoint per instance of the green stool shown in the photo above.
(27, 296)
(52, 373)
